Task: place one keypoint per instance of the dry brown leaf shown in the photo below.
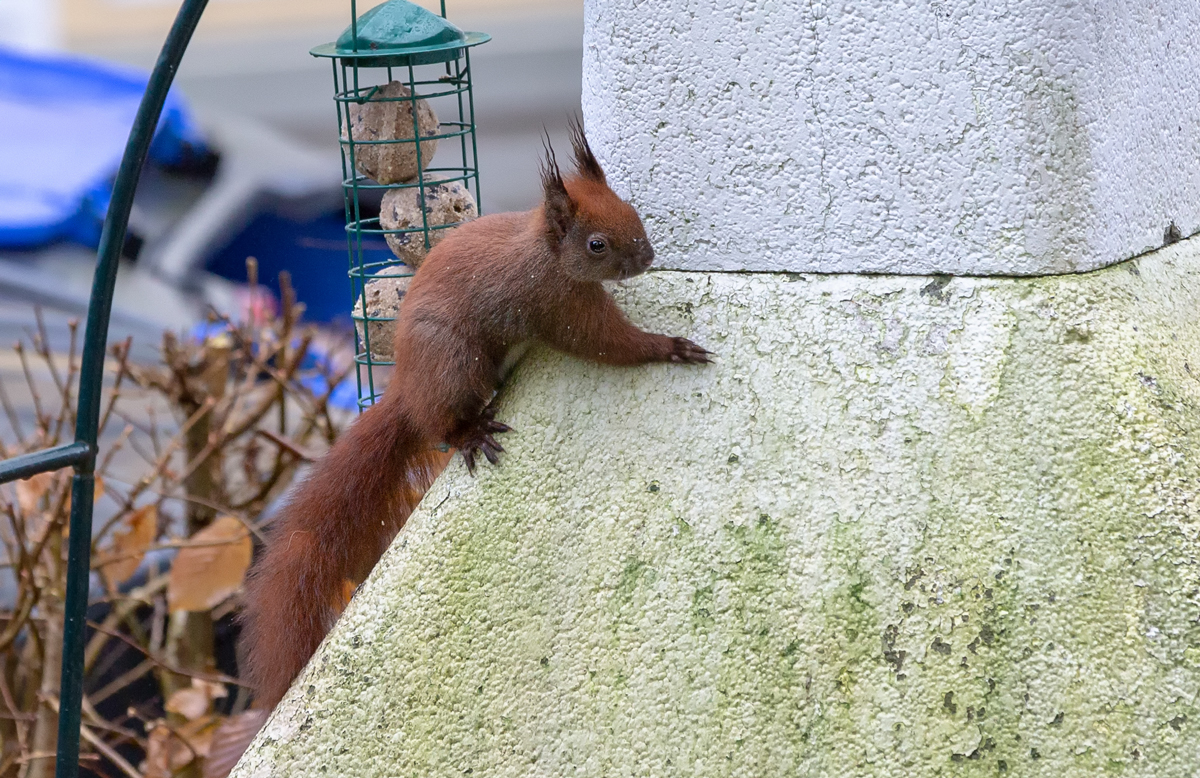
(158, 754)
(211, 567)
(194, 702)
(30, 491)
(170, 750)
(192, 741)
(190, 703)
(230, 741)
(128, 547)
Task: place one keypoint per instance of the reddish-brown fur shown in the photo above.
(491, 285)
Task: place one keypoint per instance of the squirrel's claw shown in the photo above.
(686, 352)
(483, 441)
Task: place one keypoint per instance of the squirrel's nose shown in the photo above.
(646, 254)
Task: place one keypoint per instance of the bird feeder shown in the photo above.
(406, 122)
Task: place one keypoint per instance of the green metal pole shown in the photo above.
(91, 380)
(26, 465)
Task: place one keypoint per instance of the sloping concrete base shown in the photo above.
(904, 527)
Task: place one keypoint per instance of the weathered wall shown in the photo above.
(971, 137)
(903, 527)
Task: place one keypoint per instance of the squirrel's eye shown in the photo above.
(597, 246)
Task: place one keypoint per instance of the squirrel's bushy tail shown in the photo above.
(332, 530)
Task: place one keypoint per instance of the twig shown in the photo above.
(108, 751)
(25, 603)
(35, 395)
(174, 544)
(154, 440)
(122, 608)
(120, 682)
(21, 727)
(104, 748)
(184, 498)
(147, 457)
(11, 413)
(35, 755)
(114, 447)
(41, 344)
(18, 716)
(159, 467)
(99, 722)
(284, 443)
(120, 352)
(170, 668)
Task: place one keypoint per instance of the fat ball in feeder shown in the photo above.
(387, 116)
(403, 212)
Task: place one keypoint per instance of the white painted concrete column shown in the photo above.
(918, 136)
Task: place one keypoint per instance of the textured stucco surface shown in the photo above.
(975, 137)
(903, 527)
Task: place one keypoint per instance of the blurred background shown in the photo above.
(246, 162)
(261, 177)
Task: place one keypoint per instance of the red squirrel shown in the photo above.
(490, 286)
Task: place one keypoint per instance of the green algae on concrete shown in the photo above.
(903, 527)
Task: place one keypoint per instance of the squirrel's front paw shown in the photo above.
(686, 352)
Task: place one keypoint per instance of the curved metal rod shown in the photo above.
(91, 380)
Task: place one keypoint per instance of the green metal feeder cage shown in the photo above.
(400, 64)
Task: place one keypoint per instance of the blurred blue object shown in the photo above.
(311, 248)
(344, 396)
(206, 330)
(64, 122)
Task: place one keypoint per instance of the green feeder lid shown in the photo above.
(400, 33)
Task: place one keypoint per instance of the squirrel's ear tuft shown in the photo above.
(585, 160)
(560, 209)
